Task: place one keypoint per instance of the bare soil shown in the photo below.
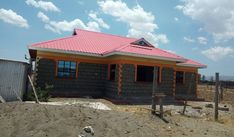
(207, 92)
(40, 120)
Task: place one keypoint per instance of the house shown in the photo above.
(104, 65)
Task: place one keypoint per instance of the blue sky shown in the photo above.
(200, 30)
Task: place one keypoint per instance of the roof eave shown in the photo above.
(65, 51)
(191, 65)
(146, 56)
(106, 55)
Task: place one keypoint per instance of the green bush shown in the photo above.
(42, 94)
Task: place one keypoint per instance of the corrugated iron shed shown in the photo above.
(13, 77)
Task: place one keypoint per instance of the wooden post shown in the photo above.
(17, 96)
(221, 91)
(185, 105)
(189, 90)
(120, 66)
(154, 90)
(34, 90)
(216, 113)
(161, 107)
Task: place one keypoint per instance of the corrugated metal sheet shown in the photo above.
(13, 76)
(86, 42)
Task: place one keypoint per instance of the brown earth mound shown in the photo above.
(27, 120)
(36, 120)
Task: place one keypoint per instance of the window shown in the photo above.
(145, 73)
(112, 71)
(142, 43)
(180, 77)
(66, 69)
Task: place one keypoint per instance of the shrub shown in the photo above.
(42, 94)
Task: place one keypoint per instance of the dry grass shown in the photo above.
(207, 92)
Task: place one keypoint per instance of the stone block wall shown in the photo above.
(142, 91)
(188, 88)
(91, 79)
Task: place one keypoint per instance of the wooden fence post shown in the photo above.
(189, 90)
(221, 91)
(161, 107)
(153, 90)
(216, 113)
(34, 90)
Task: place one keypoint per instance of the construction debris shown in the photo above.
(196, 107)
(2, 100)
(94, 105)
(89, 129)
(81, 135)
(223, 108)
(209, 105)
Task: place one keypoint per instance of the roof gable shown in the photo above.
(142, 42)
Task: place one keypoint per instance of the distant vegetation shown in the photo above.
(212, 78)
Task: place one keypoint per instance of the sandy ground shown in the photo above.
(41, 120)
(67, 118)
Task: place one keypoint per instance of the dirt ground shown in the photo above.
(41, 120)
(207, 92)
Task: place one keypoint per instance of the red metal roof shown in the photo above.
(86, 42)
(192, 63)
(149, 51)
(100, 44)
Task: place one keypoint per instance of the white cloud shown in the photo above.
(200, 29)
(80, 2)
(13, 18)
(176, 19)
(188, 39)
(216, 15)
(141, 23)
(179, 7)
(202, 40)
(171, 51)
(61, 26)
(43, 17)
(217, 53)
(100, 21)
(45, 5)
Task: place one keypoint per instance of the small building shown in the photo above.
(13, 79)
(104, 65)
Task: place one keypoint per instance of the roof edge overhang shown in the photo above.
(106, 55)
(145, 56)
(191, 65)
(64, 51)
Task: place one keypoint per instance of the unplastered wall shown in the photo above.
(90, 81)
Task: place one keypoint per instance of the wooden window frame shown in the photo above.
(109, 72)
(159, 74)
(183, 78)
(76, 69)
(159, 78)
